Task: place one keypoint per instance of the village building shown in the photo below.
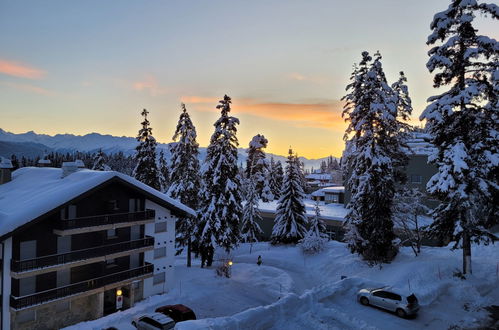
(77, 244)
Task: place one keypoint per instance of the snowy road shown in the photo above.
(290, 291)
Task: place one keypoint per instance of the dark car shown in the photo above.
(177, 312)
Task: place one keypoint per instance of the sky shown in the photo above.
(92, 66)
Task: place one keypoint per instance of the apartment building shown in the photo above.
(77, 244)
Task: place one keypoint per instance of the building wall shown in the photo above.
(162, 240)
(6, 282)
(58, 314)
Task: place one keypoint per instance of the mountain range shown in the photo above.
(31, 144)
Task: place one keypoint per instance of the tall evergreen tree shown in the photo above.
(250, 229)
(372, 159)
(164, 173)
(221, 209)
(464, 123)
(290, 220)
(257, 167)
(99, 162)
(146, 169)
(273, 180)
(185, 178)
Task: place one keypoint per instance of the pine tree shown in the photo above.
(277, 177)
(315, 240)
(290, 220)
(99, 163)
(464, 124)
(256, 166)
(164, 173)
(146, 170)
(250, 230)
(372, 158)
(221, 200)
(185, 178)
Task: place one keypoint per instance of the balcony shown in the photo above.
(78, 257)
(81, 287)
(103, 222)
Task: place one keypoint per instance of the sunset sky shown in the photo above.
(92, 66)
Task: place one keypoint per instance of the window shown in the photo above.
(160, 227)
(160, 252)
(159, 278)
(113, 205)
(381, 294)
(393, 296)
(416, 178)
(111, 233)
(110, 263)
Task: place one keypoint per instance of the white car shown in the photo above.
(403, 304)
(154, 321)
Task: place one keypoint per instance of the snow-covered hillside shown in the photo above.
(109, 144)
(293, 291)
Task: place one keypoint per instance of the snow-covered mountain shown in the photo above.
(24, 143)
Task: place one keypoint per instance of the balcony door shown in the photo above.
(27, 251)
(63, 246)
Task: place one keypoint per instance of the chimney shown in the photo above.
(5, 170)
(72, 167)
(44, 162)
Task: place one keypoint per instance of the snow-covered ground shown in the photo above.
(293, 291)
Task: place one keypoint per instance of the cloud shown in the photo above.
(19, 70)
(150, 84)
(28, 88)
(309, 78)
(323, 114)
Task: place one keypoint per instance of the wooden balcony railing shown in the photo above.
(107, 219)
(77, 255)
(80, 287)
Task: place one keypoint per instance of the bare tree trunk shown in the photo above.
(466, 253)
(189, 252)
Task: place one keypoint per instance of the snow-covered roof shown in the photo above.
(5, 163)
(329, 190)
(317, 176)
(419, 144)
(328, 211)
(34, 191)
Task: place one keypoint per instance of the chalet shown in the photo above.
(77, 244)
(330, 195)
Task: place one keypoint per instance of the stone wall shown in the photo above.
(59, 314)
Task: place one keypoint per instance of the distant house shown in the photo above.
(418, 171)
(330, 195)
(77, 244)
(318, 180)
(333, 216)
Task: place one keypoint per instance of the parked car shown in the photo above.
(177, 312)
(153, 321)
(390, 299)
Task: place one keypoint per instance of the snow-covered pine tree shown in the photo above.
(301, 173)
(146, 169)
(316, 239)
(272, 179)
(221, 209)
(372, 156)
(464, 124)
(256, 166)
(290, 219)
(185, 178)
(164, 173)
(250, 230)
(100, 162)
